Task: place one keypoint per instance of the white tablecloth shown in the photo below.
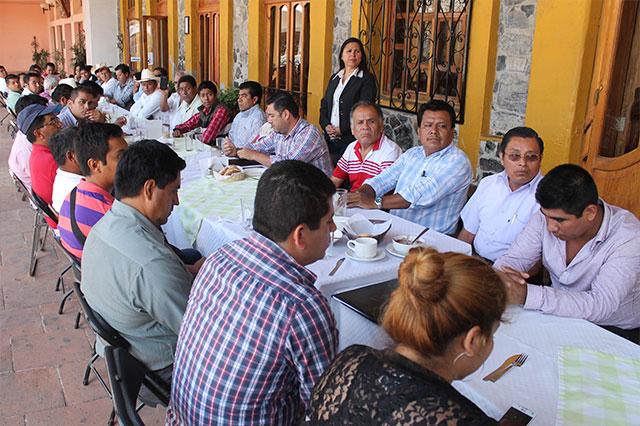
(535, 384)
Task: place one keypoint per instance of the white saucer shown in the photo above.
(379, 255)
(392, 251)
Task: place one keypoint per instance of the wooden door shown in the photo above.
(155, 42)
(611, 149)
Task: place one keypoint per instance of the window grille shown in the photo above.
(417, 50)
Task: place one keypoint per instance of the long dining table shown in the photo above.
(211, 214)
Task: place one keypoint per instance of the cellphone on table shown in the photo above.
(516, 416)
(164, 83)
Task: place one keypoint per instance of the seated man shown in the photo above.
(292, 138)
(39, 123)
(130, 274)
(503, 203)
(60, 96)
(148, 105)
(13, 91)
(86, 75)
(98, 148)
(430, 182)
(123, 92)
(187, 103)
(33, 84)
(247, 123)
(81, 106)
(21, 148)
(371, 152)
(49, 69)
(257, 334)
(107, 82)
(3, 81)
(590, 248)
(68, 174)
(212, 115)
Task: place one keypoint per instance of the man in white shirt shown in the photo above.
(148, 105)
(68, 174)
(107, 81)
(247, 123)
(34, 84)
(187, 103)
(503, 203)
(3, 83)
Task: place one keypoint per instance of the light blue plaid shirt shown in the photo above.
(435, 185)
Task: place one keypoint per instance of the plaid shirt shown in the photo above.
(219, 120)
(255, 338)
(435, 185)
(304, 142)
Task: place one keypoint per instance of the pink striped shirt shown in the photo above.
(357, 169)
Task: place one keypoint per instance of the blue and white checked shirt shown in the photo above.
(435, 185)
(304, 142)
(123, 94)
(246, 126)
(67, 118)
(256, 336)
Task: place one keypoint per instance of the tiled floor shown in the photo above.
(42, 357)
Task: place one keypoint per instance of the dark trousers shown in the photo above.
(632, 335)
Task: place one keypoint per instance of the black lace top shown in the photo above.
(364, 386)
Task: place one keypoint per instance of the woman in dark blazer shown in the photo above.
(351, 84)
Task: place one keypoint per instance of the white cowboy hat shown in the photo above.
(69, 82)
(99, 67)
(147, 75)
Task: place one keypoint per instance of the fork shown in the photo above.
(500, 371)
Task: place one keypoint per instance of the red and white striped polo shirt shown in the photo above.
(353, 167)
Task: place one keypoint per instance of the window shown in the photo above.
(210, 46)
(135, 48)
(417, 49)
(288, 49)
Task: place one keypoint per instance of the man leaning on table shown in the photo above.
(430, 182)
(131, 275)
(503, 203)
(247, 123)
(257, 334)
(292, 138)
(590, 248)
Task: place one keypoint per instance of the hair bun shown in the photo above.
(424, 270)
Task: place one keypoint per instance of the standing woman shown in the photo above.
(351, 84)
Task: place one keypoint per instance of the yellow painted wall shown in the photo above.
(172, 32)
(561, 69)
(191, 40)
(321, 40)
(257, 42)
(226, 43)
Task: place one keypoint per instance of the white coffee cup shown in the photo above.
(401, 244)
(364, 247)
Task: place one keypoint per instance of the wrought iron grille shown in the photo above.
(417, 50)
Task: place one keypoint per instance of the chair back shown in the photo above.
(75, 262)
(126, 375)
(97, 323)
(44, 208)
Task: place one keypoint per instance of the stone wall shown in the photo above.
(240, 65)
(341, 29)
(488, 160)
(513, 64)
(401, 127)
(181, 54)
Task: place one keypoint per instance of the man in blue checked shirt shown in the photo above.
(257, 335)
(429, 182)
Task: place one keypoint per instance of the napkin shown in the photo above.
(359, 225)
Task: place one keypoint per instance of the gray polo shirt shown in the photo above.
(136, 282)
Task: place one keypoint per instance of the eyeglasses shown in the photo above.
(54, 121)
(529, 158)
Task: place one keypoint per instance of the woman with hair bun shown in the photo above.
(442, 318)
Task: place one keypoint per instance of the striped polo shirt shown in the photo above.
(92, 202)
(357, 169)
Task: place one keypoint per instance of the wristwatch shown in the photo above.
(378, 202)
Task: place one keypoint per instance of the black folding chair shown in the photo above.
(74, 266)
(127, 375)
(39, 238)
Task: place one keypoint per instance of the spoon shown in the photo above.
(419, 235)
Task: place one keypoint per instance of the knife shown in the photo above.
(335, 268)
(497, 370)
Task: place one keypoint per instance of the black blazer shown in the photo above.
(357, 89)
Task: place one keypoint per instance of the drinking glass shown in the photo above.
(340, 202)
(188, 142)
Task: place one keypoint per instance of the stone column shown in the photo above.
(100, 21)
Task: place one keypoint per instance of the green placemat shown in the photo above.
(597, 388)
(206, 197)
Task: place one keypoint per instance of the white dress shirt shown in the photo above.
(62, 186)
(246, 126)
(147, 106)
(19, 158)
(109, 87)
(335, 110)
(496, 215)
(180, 111)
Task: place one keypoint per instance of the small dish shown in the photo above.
(379, 256)
(393, 252)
